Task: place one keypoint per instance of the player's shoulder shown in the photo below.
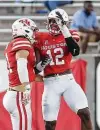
(42, 35)
(20, 43)
(20, 40)
(73, 31)
(75, 34)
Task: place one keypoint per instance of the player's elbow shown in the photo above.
(76, 51)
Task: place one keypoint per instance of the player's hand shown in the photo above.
(60, 19)
(46, 61)
(62, 25)
(42, 64)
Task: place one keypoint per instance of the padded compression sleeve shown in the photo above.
(22, 70)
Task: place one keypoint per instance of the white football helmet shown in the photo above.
(51, 23)
(24, 27)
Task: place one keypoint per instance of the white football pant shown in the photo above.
(54, 88)
(20, 113)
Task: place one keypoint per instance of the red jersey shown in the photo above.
(56, 48)
(10, 53)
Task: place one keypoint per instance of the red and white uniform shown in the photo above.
(57, 49)
(58, 85)
(20, 112)
(10, 53)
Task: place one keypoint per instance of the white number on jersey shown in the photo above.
(58, 60)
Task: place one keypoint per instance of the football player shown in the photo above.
(21, 67)
(60, 44)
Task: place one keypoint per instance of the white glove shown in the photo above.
(42, 64)
(62, 25)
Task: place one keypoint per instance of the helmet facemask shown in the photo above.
(53, 27)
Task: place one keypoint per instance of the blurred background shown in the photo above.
(10, 10)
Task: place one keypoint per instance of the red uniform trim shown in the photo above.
(19, 110)
(25, 113)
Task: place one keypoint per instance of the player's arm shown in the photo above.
(41, 63)
(71, 43)
(21, 58)
(38, 59)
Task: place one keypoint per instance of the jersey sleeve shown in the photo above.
(21, 45)
(75, 35)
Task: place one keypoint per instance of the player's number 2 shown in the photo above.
(58, 60)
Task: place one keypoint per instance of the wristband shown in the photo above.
(22, 70)
(65, 31)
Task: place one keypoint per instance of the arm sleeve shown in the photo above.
(73, 47)
(22, 70)
(72, 43)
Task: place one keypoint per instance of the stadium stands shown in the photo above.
(6, 19)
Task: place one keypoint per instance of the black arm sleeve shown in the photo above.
(73, 47)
